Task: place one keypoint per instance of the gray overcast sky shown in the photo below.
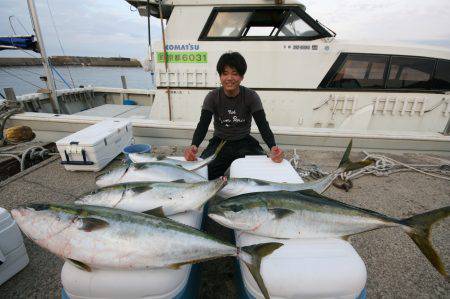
(111, 28)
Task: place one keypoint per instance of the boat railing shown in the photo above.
(78, 99)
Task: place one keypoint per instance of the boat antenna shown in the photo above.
(334, 33)
(165, 57)
(50, 80)
(60, 45)
(150, 52)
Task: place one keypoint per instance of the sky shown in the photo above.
(113, 28)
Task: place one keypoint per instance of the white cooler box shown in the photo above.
(94, 147)
(150, 284)
(301, 268)
(13, 256)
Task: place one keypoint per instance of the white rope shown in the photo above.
(383, 166)
(306, 170)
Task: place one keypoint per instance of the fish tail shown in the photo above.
(219, 147)
(419, 228)
(347, 165)
(257, 252)
(210, 158)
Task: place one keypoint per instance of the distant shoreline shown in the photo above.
(72, 61)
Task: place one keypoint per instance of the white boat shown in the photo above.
(317, 90)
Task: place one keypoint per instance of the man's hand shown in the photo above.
(190, 152)
(276, 154)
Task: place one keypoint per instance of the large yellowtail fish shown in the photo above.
(170, 197)
(307, 214)
(147, 172)
(94, 237)
(188, 165)
(237, 186)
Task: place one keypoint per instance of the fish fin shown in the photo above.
(345, 238)
(177, 266)
(141, 189)
(419, 229)
(40, 206)
(158, 212)
(160, 157)
(89, 224)
(79, 265)
(261, 182)
(311, 192)
(257, 252)
(281, 213)
(347, 165)
(138, 166)
(179, 181)
(346, 157)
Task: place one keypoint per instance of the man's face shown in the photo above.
(230, 79)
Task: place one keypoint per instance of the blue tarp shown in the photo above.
(27, 42)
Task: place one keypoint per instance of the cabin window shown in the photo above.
(295, 26)
(228, 24)
(410, 73)
(264, 23)
(441, 78)
(267, 23)
(375, 71)
(360, 71)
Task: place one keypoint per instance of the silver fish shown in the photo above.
(188, 165)
(307, 214)
(172, 197)
(147, 172)
(104, 238)
(237, 186)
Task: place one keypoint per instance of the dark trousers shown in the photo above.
(231, 151)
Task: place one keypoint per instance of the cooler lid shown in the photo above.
(96, 133)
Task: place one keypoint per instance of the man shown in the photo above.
(233, 106)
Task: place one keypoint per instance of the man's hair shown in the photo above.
(233, 60)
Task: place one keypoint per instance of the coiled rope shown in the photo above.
(383, 166)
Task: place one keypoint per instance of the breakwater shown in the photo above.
(72, 60)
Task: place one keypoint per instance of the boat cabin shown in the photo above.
(305, 76)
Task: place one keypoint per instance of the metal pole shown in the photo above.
(150, 51)
(165, 59)
(50, 80)
(124, 86)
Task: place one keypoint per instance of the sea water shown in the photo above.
(26, 79)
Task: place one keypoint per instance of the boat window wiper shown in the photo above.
(329, 30)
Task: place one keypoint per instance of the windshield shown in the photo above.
(261, 23)
(295, 26)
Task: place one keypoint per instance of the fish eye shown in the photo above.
(235, 208)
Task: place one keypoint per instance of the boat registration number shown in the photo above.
(183, 57)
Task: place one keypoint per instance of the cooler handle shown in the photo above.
(84, 162)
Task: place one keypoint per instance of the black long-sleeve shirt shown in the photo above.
(260, 120)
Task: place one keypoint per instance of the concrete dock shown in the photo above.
(396, 268)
